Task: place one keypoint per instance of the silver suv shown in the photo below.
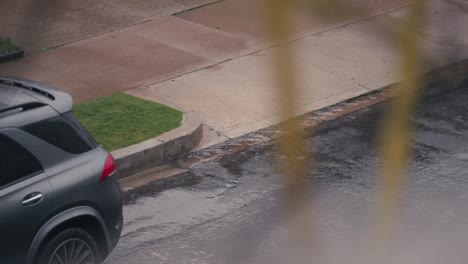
(59, 199)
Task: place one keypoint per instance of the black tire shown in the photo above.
(72, 244)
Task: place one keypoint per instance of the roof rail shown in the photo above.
(20, 108)
(28, 87)
(57, 99)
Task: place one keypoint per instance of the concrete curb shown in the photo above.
(11, 55)
(261, 138)
(454, 74)
(161, 149)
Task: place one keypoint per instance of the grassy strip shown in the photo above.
(121, 120)
(6, 46)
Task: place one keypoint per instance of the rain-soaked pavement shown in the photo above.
(232, 210)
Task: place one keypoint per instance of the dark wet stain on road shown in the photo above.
(154, 188)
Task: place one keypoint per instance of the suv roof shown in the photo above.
(23, 95)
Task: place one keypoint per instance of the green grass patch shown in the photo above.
(6, 45)
(121, 120)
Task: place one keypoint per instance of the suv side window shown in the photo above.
(15, 162)
(63, 134)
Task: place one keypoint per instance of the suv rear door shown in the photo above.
(25, 199)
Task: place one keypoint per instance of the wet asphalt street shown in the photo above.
(233, 210)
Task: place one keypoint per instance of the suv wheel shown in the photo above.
(73, 246)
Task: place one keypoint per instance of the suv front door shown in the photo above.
(24, 200)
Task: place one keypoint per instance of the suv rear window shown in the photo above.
(15, 162)
(64, 133)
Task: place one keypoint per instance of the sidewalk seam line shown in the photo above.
(281, 44)
(87, 38)
(197, 7)
(344, 78)
(146, 20)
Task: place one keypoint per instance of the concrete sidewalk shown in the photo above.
(39, 25)
(238, 96)
(215, 60)
(157, 49)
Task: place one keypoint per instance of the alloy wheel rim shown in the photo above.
(73, 251)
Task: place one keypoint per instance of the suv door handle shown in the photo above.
(32, 198)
